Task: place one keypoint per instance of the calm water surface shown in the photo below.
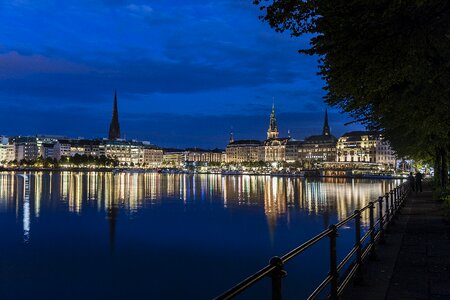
(93, 235)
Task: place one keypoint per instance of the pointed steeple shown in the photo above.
(326, 128)
(231, 136)
(114, 128)
(272, 132)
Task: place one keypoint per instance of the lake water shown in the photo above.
(99, 235)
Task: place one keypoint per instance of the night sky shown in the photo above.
(186, 71)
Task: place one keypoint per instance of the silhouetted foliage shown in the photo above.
(386, 63)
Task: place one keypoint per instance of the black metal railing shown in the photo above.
(364, 246)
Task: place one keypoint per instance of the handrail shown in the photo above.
(305, 245)
(275, 269)
(249, 281)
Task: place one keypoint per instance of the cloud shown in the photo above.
(13, 65)
(181, 63)
(140, 9)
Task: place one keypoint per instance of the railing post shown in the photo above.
(404, 192)
(359, 276)
(373, 254)
(277, 274)
(392, 202)
(392, 207)
(394, 194)
(382, 239)
(387, 211)
(333, 263)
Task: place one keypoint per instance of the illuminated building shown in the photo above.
(46, 150)
(152, 156)
(278, 149)
(114, 128)
(272, 132)
(61, 148)
(274, 149)
(281, 149)
(128, 153)
(244, 151)
(173, 157)
(190, 156)
(385, 154)
(319, 148)
(7, 150)
(25, 148)
(365, 146)
(72, 147)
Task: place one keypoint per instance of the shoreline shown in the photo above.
(116, 170)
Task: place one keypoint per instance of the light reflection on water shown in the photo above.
(33, 197)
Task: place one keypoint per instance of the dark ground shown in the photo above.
(414, 263)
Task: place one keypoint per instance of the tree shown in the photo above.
(384, 62)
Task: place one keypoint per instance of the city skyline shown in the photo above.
(176, 67)
(115, 134)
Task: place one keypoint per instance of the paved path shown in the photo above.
(415, 261)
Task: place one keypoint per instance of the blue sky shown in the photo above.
(185, 72)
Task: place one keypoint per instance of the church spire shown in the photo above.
(231, 136)
(326, 128)
(272, 132)
(114, 128)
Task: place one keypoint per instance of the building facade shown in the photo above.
(152, 157)
(365, 146)
(25, 148)
(281, 150)
(244, 151)
(319, 148)
(7, 150)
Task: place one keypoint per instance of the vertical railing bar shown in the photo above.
(387, 219)
(333, 263)
(277, 275)
(359, 275)
(373, 253)
(381, 218)
(392, 206)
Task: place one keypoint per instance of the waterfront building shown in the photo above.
(191, 156)
(365, 147)
(278, 149)
(319, 148)
(281, 150)
(357, 146)
(173, 157)
(152, 156)
(239, 151)
(128, 153)
(25, 148)
(196, 155)
(7, 150)
(61, 148)
(47, 150)
(385, 154)
(114, 127)
(72, 147)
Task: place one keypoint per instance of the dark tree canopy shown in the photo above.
(385, 62)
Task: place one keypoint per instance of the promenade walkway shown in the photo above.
(414, 263)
